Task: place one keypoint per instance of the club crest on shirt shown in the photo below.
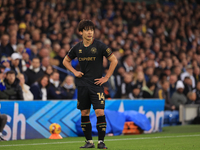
(93, 50)
(80, 50)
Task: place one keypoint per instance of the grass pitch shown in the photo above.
(172, 138)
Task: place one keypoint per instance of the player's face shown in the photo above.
(88, 34)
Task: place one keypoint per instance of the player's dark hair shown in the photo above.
(85, 24)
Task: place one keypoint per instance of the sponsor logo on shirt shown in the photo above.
(86, 58)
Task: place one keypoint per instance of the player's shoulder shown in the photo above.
(76, 46)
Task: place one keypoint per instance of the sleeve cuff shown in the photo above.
(69, 57)
(109, 55)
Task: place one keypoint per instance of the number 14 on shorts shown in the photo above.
(101, 96)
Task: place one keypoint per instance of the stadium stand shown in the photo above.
(159, 40)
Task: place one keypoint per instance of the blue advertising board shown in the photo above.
(31, 119)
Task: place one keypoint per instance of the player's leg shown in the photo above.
(101, 127)
(3, 121)
(84, 105)
(98, 102)
(87, 128)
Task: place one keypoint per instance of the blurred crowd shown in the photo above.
(157, 45)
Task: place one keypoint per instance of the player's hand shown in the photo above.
(101, 81)
(78, 74)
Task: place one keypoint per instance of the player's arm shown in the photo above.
(113, 63)
(67, 64)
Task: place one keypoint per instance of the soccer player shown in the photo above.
(89, 80)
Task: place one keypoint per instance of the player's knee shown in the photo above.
(85, 112)
(99, 112)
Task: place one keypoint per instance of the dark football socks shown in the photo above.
(86, 127)
(101, 127)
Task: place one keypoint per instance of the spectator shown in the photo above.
(178, 98)
(56, 49)
(189, 73)
(55, 91)
(69, 87)
(126, 85)
(47, 44)
(136, 92)
(26, 62)
(19, 49)
(5, 62)
(28, 96)
(3, 95)
(163, 77)
(13, 89)
(3, 90)
(13, 43)
(188, 85)
(191, 98)
(5, 48)
(35, 36)
(163, 93)
(148, 73)
(49, 70)
(39, 88)
(148, 90)
(167, 71)
(128, 63)
(34, 72)
(139, 80)
(154, 79)
(198, 93)
(196, 74)
(60, 57)
(34, 51)
(177, 71)
(22, 30)
(28, 44)
(2, 68)
(162, 64)
(43, 53)
(118, 75)
(45, 63)
(15, 63)
(172, 82)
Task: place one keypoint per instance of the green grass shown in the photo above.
(172, 138)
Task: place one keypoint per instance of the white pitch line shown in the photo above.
(144, 138)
